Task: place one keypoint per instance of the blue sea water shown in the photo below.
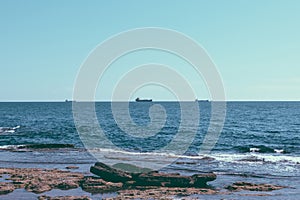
(260, 141)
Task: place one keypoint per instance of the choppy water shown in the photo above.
(260, 141)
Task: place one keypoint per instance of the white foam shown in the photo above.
(226, 157)
(8, 129)
(6, 146)
(257, 157)
(154, 154)
(280, 158)
(16, 127)
(279, 150)
(3, 147)
(254, 149)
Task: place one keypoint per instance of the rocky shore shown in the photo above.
(143, 184)
(151, 178)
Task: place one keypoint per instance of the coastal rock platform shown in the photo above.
(123, 184)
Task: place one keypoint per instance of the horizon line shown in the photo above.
(199, 100)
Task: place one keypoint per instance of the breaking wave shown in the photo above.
(260, 149)
(214, 157)
(9, 129)
(23, 147)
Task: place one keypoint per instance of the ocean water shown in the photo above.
(260, 141)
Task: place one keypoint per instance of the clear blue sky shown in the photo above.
(255, 44)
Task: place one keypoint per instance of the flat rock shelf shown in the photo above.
(125, 184)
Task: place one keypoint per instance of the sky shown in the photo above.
(254, 44)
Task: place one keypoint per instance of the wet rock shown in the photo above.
(98, 185)
(37, 187)
(68, 184)
(72, 167)
(253, 187)
(131, 168)
(6, 171)
(46, 146)
(153, 178)
(255, 195)
(174, 180)
(185, 163)
(110, 174)
(6, 188)
(162, 193)
(44, 197)
(200, 180)
(41, 180)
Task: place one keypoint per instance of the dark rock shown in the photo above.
(6, 188)
(208, 158)
(68, 184)
(110, 174)
(200, 180)
(185, 163)
(175, 180)
(97, 185)
(72, 167)
(131, 168)
(153, 178)
(46, 146)
(164, 180)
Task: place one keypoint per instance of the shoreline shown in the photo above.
(35, 160)
(67, 184)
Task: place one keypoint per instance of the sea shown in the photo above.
(259, 142)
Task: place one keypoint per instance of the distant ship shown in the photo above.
(202, 100)
(69, 101)
(142, 100)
